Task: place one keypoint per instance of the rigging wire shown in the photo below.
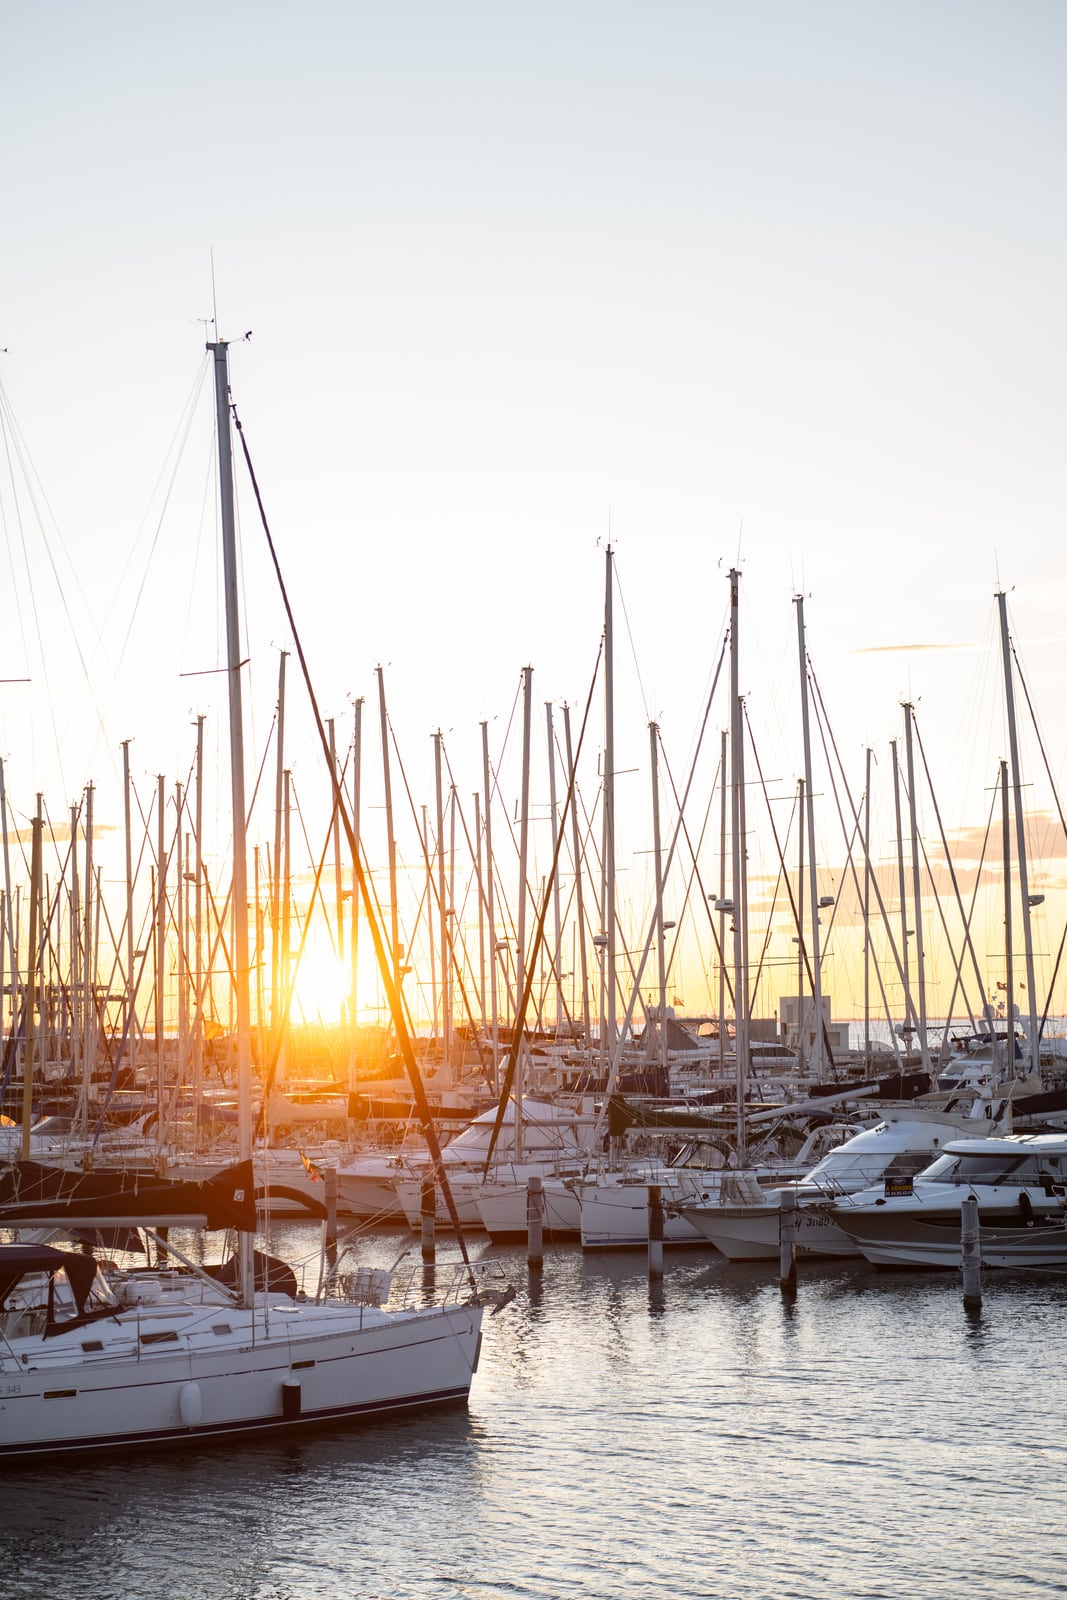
(377, 937)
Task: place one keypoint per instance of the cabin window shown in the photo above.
(906, 1163)
(165, 1336)
(1011, 1169)
(89, 1345)
(221, 1327)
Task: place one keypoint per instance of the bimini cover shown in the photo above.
(17, 1261)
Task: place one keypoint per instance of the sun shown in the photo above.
(321, 985)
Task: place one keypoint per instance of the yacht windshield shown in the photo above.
(1002, 1168)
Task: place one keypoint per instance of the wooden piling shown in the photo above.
(535, 1210)
(655, 1231)
(787, 1242)
(971, 1253)
(429, 1218)
(329, 1178)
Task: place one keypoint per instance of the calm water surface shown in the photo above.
(697, 1438)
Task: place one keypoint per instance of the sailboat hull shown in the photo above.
(214, 1372)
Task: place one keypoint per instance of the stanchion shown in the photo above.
(655, 1231)
(971, 1253)
(535, 1208)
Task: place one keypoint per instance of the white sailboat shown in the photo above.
(89, 1362)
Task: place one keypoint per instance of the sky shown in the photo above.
(774, 287)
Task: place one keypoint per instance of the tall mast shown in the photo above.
(131, 987)
(276, 896)
(920, 961)
(818, 1052)
(353, 943)
(442, 916)
(89, 972)
(520, 929)
(740, 908)
(801, 1024)
(338, 896)
(1009, 940)
(237, 779)
(390, 836)
(576, 852)
(490, 911)
(724, 814)
(909, 1009)
(198, 921)
(30, 992)
(557, 954)
(160, 954)
(657, 851)
(76, 974)
(1020, 846)
(867, 913)
(608, 1020)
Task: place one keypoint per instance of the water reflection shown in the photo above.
(206, 1520)
(696, 1435)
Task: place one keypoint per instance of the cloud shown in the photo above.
(905, 649)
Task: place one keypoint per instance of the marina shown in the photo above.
(533, 802)
(700, 1437)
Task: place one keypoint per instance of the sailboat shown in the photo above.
(92, 1361)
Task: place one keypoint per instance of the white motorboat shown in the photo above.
(1019, 1182)
(742, 1219)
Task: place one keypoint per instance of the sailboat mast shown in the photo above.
(353, 943)
(490, 910)
(276, 890)
(1020, 845)
(740, 909)
(30, 992)
(608, 900)
(661, 953)
(1009, 971)
(237, 772)
(390, 836)
(818, 1048)
(576, 853)
(920, 953)
(557, 953)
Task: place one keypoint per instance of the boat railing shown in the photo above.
(417, 1288)
(21, 1322)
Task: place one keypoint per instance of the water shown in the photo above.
(700, 1438)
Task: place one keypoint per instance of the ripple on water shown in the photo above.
(702, 1440)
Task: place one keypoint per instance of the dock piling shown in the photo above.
(428, 1217)
(655, 1231)
(329, 1177)
(535, 1208)
(787, 1242)
(971, 1253)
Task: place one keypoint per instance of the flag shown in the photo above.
(310, 1168)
